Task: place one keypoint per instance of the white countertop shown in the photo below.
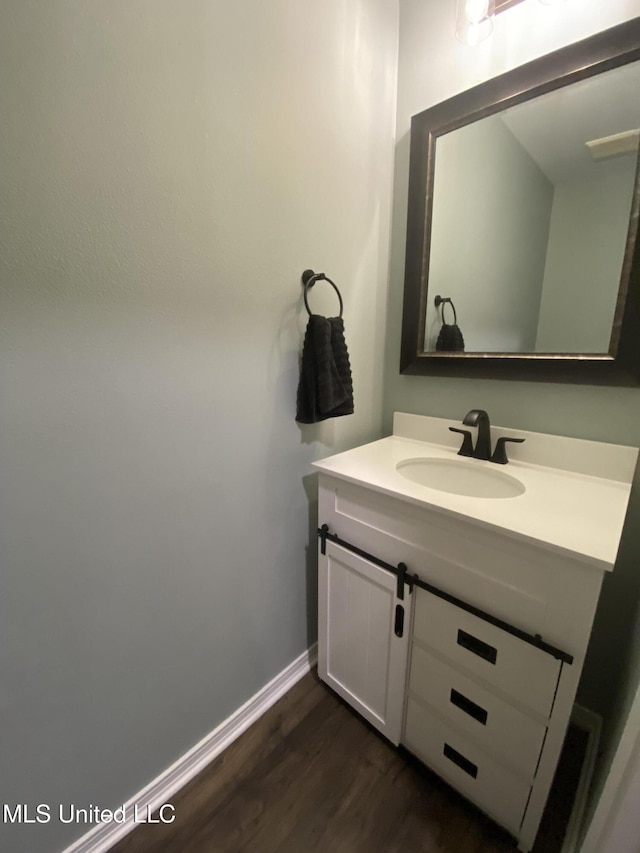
(566, 510)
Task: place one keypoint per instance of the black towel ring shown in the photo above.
(309, 278)
(442, 300)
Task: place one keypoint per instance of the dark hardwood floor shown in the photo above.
(310, 775)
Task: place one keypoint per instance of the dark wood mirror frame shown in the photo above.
(621, 366)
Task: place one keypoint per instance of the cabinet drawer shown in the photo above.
(496, 790)
(520, 670)
(500, 729)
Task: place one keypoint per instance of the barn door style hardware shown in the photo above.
(401, 572)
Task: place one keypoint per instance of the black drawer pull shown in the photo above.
(473, 644)
(468, 707)
(462, 762)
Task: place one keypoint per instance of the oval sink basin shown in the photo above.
(460, 477)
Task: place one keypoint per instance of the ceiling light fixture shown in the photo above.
(474, 20)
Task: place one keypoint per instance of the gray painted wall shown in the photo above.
(167, 172)
(589, 224)
(482, 175)
(432, 67)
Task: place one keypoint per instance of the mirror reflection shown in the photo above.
(531, 210)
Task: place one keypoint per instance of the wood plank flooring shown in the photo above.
(310, 775)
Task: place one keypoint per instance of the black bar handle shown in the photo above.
(468, 707)
(462, 762)
(473, 644)
(399, 623)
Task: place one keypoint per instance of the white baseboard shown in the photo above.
(591, 723)
(103, 836)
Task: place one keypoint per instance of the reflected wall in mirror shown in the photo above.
(523, 210)
(541, 204)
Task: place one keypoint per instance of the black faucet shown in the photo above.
(482, 450)
(479, 418)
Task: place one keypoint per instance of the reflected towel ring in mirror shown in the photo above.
(450, 338)
(442, 300)
(309, 278)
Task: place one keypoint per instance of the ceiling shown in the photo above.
(554, 127)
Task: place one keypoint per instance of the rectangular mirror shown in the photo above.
(524, 202)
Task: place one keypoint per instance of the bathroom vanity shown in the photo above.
(456, 599)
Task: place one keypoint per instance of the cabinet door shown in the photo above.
(360, 654)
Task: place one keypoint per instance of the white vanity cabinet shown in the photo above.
(496, 592)
(484, 708)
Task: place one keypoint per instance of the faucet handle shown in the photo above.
(500, 453)
(466, 448)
